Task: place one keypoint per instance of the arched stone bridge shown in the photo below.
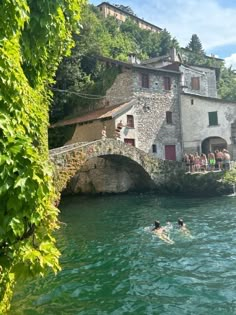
(109, 166)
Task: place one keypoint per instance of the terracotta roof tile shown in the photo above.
(107, 112)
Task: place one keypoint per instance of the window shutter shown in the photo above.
(167, 83)
(195, 83)
(145, 80)
(213, 119)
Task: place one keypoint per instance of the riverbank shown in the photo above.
(199, 184)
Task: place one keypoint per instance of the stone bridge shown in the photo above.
(109, 166)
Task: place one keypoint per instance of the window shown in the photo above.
(192, 101)
(195, 83)
(145, 80)
(130, 121)
(213, 118)
(129, 141)
(169, 117)
(154, 148)
(167, 83)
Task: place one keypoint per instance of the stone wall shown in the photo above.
(152, 105)
(211, 80)
(207, 80)
(122, 89)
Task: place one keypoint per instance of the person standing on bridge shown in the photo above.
(104, 133)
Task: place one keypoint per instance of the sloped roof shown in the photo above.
(135, 65)
(214, 99)
(173, 66)
(129, 14)
(103, 113)
(155, 59)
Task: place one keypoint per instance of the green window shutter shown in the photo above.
(213, 119)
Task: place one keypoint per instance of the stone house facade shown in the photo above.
(147, 101)
(207, 122)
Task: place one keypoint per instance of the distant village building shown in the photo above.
(121, 14)
(166, 108)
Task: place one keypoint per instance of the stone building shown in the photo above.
(166, 108)
(120, 14)
(207, 122)
(147, 101)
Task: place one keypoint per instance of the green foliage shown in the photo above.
(227, 84)
(34, 35)
(230, 177)
(194, 54)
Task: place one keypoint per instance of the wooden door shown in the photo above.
(170, 152)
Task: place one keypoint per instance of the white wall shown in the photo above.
(195, 121)
(127, 132)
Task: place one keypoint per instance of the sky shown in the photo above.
(214, 21)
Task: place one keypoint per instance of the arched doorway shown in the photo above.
(213, 143)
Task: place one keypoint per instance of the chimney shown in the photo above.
(173, 54)
(133, 58)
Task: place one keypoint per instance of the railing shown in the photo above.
(70, 147)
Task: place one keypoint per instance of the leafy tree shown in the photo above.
(34, 35)
(227, 84)
(166, 43)
(125, 8)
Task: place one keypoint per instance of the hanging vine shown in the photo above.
(34, 35)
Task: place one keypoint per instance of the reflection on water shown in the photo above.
(113, 264)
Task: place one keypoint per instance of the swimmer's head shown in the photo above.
(180, 222)
(157, 224)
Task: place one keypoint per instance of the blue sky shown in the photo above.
(214, 21)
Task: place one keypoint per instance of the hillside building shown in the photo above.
(120, 14)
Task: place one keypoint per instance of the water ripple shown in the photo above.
(113, 264)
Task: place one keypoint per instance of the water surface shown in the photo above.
(113, 264)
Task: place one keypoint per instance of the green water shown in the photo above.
(113, 264)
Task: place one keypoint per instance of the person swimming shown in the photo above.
(182, 227)
(161, 232)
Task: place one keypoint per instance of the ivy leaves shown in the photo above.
(34, 35)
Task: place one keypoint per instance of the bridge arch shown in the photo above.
(111, 174)
(211, 144)
(143, 169)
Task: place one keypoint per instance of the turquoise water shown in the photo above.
(113, 264)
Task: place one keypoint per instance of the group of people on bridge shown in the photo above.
(218, 160)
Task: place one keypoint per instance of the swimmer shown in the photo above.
(183, 228)
(161, 233)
